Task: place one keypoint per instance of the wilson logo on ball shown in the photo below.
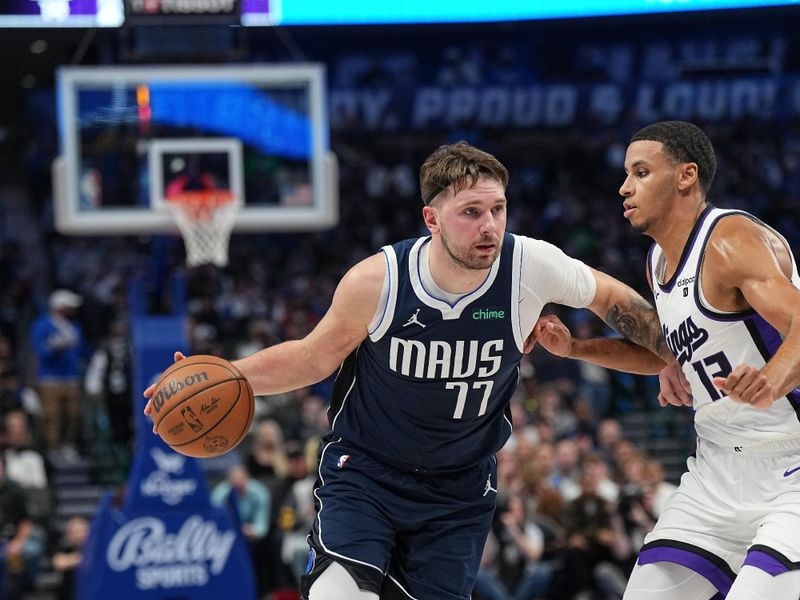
(202, 406)
(174, 386)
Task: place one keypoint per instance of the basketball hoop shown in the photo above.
(205, 219)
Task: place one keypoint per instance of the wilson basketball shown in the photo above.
(202, 406)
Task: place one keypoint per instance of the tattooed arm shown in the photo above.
(624, 310)
(622, 355)
(628, 313)
(643, 351)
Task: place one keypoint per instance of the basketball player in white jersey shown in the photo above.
(726, 292)
(429, 334)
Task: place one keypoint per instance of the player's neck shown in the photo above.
(674, 232)
(449, 275)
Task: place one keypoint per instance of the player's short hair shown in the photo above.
(683, 142)
(459, 165)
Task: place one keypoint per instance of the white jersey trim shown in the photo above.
(547, 274)
(703, 304)
(386, 305)
(516, 298)
(449, 312)
(505, 415)
(319, 512)
(347, 394)
(402, 589)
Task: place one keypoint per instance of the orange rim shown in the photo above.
(203, 197)
(199, 205)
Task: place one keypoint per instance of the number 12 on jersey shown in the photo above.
(463, 389)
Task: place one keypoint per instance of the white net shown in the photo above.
(205, 220)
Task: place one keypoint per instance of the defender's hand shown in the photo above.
(747, 385)
(675, 388)
(148, 393)
(552, 334)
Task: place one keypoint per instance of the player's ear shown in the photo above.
(431, 217)
(688, 176)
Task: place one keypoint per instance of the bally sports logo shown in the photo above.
(166, 560)
(173, 386)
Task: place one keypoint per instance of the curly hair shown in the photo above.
(683, 142)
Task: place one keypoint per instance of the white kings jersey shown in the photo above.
(709, 343)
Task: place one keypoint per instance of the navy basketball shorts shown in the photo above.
(400, 535)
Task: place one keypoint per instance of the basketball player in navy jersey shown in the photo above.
(427, 336)
(726, 291)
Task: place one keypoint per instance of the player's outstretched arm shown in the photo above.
(296, 364)
(634, 317)
(624, 310)
(619, 354)
(754, 267)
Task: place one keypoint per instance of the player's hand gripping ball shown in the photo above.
(202, 406)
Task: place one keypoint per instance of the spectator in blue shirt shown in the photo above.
(58, 342)
(252, 502)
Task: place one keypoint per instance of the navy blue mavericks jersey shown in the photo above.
(429, 389)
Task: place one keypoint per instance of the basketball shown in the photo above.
(202, 406)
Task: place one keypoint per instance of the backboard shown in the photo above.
(131, 136)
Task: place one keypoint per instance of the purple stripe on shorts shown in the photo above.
(765, 562)
(696, 563)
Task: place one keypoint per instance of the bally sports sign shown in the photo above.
(165, 541)
(187, 558)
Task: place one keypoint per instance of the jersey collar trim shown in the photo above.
(687, 250)
(448, 311)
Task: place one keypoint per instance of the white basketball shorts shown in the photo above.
(735, 506)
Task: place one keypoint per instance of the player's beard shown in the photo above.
(463, 257)
(641, 227)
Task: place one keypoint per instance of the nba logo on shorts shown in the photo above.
(342, 460)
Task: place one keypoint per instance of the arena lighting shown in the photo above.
(302, 12)
(61, 13)
(232, 108)
(110, 13)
